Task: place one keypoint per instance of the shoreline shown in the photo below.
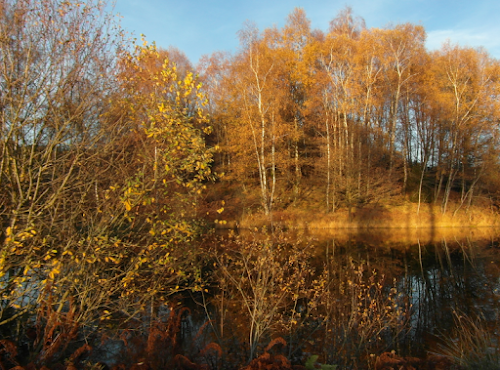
(369, 218)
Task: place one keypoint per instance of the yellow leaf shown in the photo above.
(54, 272)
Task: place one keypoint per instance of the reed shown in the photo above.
(474, 344)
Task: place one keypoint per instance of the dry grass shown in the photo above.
(474, 346)
(394, 217)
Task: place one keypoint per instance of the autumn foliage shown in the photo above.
(116, 156)
(326, 120)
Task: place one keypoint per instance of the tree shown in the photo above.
(171, 159)
(55, 71)
(295, 77)
(338, 68)
(371, 88)
(402, 44)
(57, 62)
(214, 71)
(103, 160)
(466, 83)
(255, 91)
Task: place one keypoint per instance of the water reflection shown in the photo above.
(438, 273)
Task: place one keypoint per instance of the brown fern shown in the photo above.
(59, 329)
(212, 353)
(175, 324)
(155, 335)
(123, 336)
(284, 361)
(182, 362)
(275, 341)
(8, 351)
(211, 346)
(79, 352)
(71, 366)
(269, 361)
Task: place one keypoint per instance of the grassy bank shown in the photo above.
(405, 216)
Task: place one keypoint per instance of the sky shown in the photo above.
(199, 27)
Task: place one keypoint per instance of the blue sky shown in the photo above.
(201, 27)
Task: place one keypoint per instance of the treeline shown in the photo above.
(351, 111)
(109, 147)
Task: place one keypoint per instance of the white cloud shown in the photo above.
(465, 37)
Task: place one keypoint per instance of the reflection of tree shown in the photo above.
(436, 280)
(446, 278)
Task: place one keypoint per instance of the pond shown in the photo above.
(341, 297)
(417, 292)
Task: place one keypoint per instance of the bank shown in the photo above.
(406, 215)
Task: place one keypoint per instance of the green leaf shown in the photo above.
(310, 362)
(328, 367)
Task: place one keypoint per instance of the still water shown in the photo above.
(440, 276)
(345, 296)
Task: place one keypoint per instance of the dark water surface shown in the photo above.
(441, 274)
(370, 292)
